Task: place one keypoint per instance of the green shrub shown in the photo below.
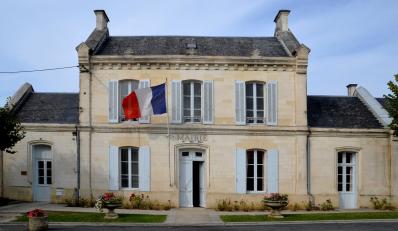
(382, 204)
(144, 202)
(327, 205)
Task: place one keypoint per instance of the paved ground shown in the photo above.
(189, 216)
(324, 226)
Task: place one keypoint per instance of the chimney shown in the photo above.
(101, 20)
(351, 89)
(281, 21)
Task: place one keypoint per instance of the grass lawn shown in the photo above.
(98, 217)
(312, 217)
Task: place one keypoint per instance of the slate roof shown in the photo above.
(382, 101)
(205, 46)
(339, 112)
(62, 108)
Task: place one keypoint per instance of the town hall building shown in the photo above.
(239, 125)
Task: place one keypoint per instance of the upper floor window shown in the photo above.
(256, 102)
(192, 101)
(118, 89)
(125, 88)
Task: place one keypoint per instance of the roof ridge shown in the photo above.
(187, 36)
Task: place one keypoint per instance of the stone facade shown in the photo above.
(307, 156)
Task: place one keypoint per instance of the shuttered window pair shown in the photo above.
(129, 167)
(256, 102)
(192, 101)
(249, 170)
(118, 89)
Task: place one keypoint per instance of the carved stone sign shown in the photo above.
(190, 138)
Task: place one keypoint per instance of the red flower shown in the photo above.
(36, 213)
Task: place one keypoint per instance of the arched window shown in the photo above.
(129, 174)
(192, 101)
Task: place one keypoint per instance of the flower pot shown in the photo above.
(38, 223)
(276, 206)
(111, 210)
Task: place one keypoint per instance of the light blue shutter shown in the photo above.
(208, 106)
(113, 168)
(240, 170)
(240, 102)
(143, 84)
(176, 99)
(113, 102)
(144, 168)
(273, 171)
(272, 103)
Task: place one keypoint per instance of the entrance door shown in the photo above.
(186, 183)
(346, 179)
(42, 173)
(192, 178)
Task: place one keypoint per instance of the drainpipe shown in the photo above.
(311, 197)
(91, 126)
(78, 163)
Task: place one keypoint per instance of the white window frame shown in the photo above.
(130, 172)
(254, 109)
(192, 101)
(344, 166)
(119, 100)
(255, 164)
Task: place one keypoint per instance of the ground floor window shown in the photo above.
(129, 167)
(255, 170)
(345, 167)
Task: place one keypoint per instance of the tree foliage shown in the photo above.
(392, 104)
(11, 130)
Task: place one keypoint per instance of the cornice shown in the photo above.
(347, 133)
(179, 62)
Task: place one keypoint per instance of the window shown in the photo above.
(117, 90)
(125, 88)
(129, 177)
(345, 171)
(255, 171)
(192, 101)
(255, 102)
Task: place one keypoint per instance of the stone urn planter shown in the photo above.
(38, 223)
(276, 206)
(111, 210)
(38, 220)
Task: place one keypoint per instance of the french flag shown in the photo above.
(145, 101)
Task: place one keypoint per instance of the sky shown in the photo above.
(351, 41)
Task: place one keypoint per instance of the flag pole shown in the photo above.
(168, 127)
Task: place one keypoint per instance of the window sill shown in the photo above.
(255, 192)
(129, 189)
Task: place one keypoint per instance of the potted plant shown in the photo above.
(110, 201)
(276, 202)
(38, 220)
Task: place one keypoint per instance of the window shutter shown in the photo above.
(144, 168)
(113, 90)
(273, 171)
(272, 103)
(240, 170)
(176, 100)
(143, 84)
(240, 105)
(208, 108)
(113, 168)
